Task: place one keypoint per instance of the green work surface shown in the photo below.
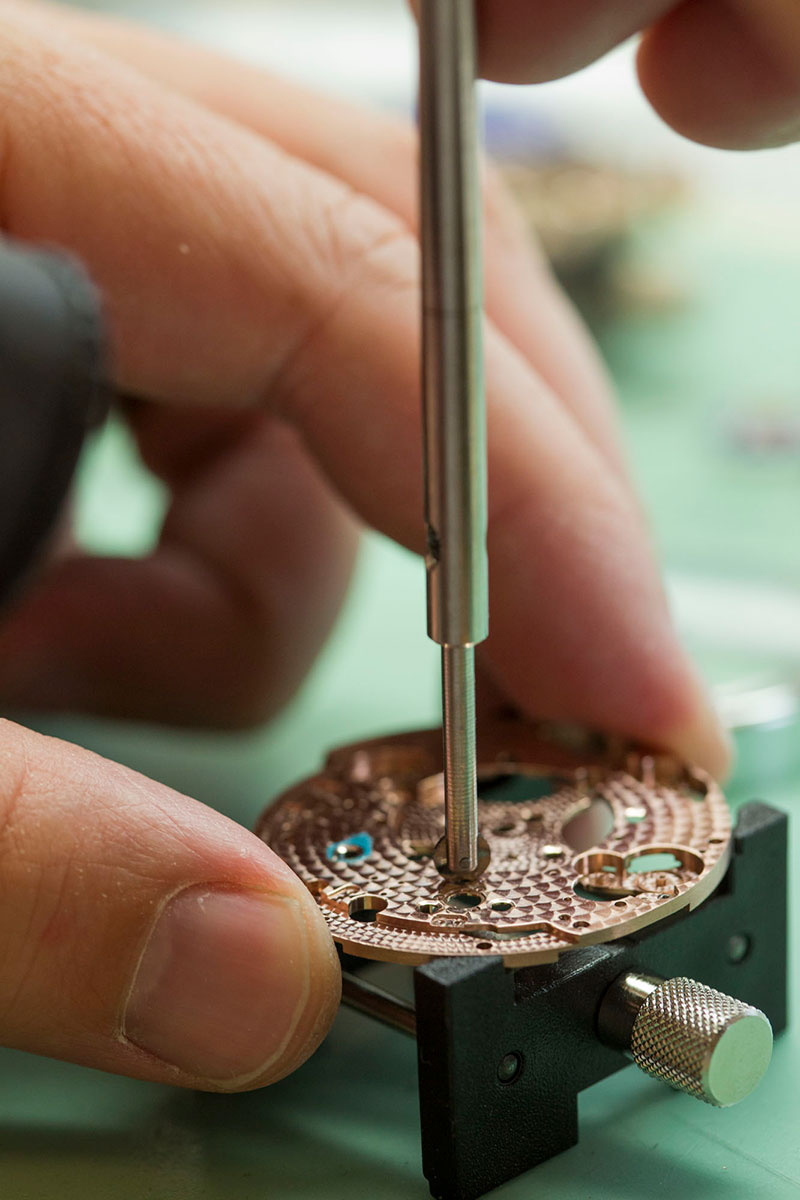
(346, 1125)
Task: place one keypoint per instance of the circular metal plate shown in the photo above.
(585, 847)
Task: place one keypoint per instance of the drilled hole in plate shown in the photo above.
(653, 861)
(429, 907)
(461, 900)
(506, 829)
(715, 841)
(600, 861)
(620, 903)
(501, 906)
(352, 849)
(365, 908)
(580, 924)
(346, 852)
(584, 894)
(512, 787)
(589, 826)
(485, 946)
(663, 858)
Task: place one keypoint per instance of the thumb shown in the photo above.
(145, 934)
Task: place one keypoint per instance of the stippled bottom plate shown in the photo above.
(585, 846)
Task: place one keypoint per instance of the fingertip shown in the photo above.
(700, 737)
(234, 988)
(724, 74)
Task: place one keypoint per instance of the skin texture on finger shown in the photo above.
(726, 72)
(220, 625)
(218, 217)
(377, 156)
(300, 294)
(145, 934)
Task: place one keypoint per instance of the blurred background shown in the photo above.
(686, 264)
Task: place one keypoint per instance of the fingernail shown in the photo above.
(222, 984)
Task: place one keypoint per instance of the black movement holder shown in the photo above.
(504, 1052)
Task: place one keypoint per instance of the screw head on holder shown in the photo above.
(691, 1036)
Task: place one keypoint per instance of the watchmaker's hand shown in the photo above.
(263, 263)
(256, 249)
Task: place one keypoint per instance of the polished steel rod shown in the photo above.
(454, 416)
(376, 1003)
(460, 774)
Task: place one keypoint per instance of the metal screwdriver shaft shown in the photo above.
(454, 416)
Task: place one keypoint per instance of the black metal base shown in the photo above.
(504, 1053)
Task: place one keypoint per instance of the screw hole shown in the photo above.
(653, 861)
(739, 948)
(353, 850)
(366, 908)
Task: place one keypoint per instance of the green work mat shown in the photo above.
(346, 1125)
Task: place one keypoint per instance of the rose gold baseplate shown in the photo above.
(573, 836)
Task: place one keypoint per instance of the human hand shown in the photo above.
(724, 72)
(256, 249)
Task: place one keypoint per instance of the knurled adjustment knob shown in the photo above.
(688, 1035)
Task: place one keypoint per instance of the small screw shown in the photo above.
(509, 1068)
(738, 947)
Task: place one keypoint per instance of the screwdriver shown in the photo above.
(454, 407)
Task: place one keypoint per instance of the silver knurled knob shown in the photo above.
(690, 1036)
